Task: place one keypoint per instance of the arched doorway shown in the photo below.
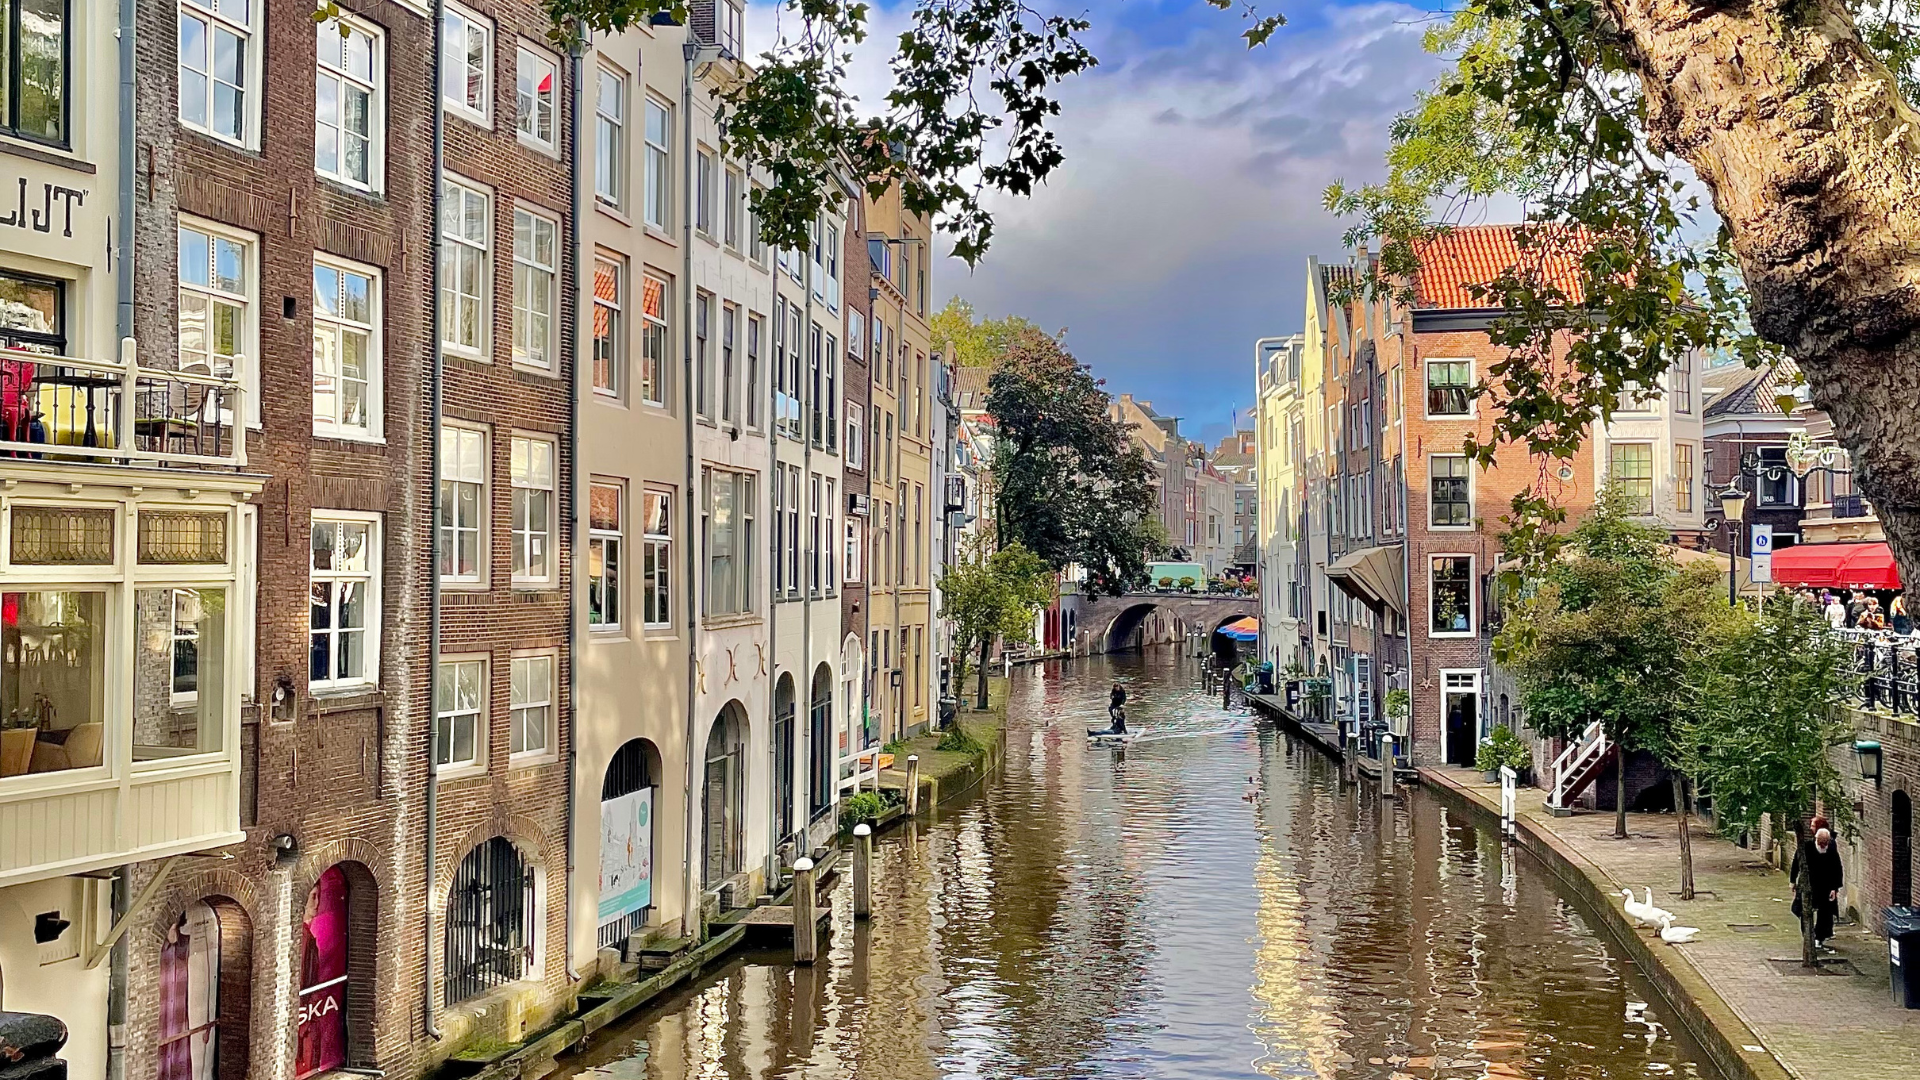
(1902, 849)
(206, 966)
(820, 741)
(491, 921)
(784, 752)
(337, 979)
(626, 841)
(722, 797)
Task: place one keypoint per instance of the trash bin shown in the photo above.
(1903, 950)
(949, 708)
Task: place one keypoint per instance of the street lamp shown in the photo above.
(1733, 508)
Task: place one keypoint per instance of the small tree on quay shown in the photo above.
(992, 596)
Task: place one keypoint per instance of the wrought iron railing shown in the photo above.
(1888, 666)
(67, 409)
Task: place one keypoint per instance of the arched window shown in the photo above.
(191, 1001)
(323, 976)
(490, 921)
(783, 755)
(626, 841)
(1902, 849)
(722, 796)
(820, 741)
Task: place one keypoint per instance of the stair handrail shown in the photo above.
(1578, 754)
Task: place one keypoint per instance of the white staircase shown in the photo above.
(1578, 766)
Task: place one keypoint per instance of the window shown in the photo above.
(345, 578)
(1450, 594)
(532, 477)
(491, 915)
(466, 235)
(1448, 477)
(726, 528)
(757, 247)
(813, 387)
(605, 543)
(734, 209)
(467, 80)
(702, 357)
(729, 321)
(531, 700)
(348, 106)
(610, 137)
(827, 512)
(852, 571)
(1634, 399)
(779, 569)
(1449, 388)
(609, 329)
(64, 683)
(463, 502)
(1630, 465)
(732, 34)
(1777, 486)
(653, 340)
(659, 159)
(703, 178)
(217, 65)
(216, 307)
(534, 96)
(832, 393)
(756, 332)
(459, 689)
(535, 282)
(855, 452)
(346, 351)
(656, 558)
(1681, 382)
(833, 267)
(1683, 477)
(32, 318)
(793, 531)
(197, 1021)
(814, 550)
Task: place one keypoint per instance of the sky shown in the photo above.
(1179, 228)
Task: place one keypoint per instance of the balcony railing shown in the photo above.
(70, 409)
(1889, 668)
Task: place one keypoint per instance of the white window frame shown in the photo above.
(339, 326)
(1686, 485)
(653, 388)
(706, 182)
(856, 457)
(250, 34)
(756, 247)
(610, 137)
(1480, 718)
(527, 535)
(527, 268)
(174, 638)
(611, 547)
(1652, 478)
(702, 330)
(525, 120)
(451, 473)
(733, 193)
(657, 202)
(1473, 598)
(732, 28)
(1680, 385)
(852, 573)
(375, 616)
(616, 316)
(477, 715)
(245, 364)
(1426, 384)
(452, 245)
(1471, 493)
(729, 365)
(330, 42)
(752, 396)
(657, 548)
(523, 696)
(468, 21)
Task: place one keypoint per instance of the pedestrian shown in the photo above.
(1819, 859)
(1836, 612)
(1856, 607)
(1902, 622)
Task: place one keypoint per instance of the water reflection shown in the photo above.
(1150, 913)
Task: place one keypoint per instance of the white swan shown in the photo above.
(1641, 914)
(1676, 935)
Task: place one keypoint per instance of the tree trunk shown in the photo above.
(1808, 148)
(1686, 835)
(986, 644)
(1619, 792)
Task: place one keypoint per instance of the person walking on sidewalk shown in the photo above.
(1819, 859)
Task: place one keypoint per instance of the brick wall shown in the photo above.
(1869, 858)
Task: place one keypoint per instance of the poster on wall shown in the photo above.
(626, 855)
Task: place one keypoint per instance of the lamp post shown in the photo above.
(1733, 508)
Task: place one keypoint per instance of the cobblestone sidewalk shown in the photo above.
(1838, 1025)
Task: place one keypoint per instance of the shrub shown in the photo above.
(894, 747)
(955, 740)
(1503, 747)
(864, 806)
(1187, 582)
(1166, 583)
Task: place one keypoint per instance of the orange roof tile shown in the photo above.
(1470, 255)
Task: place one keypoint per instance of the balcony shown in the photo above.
(70, 409)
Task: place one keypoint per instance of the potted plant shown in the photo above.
(1186, 583)
(1165, 582)
(1503, 747)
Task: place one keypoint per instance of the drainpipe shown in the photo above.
(773, 598)
(1406, 529)
(690, 914)
(573, 430)
(123, 331)
(816, 367)
(435, 403)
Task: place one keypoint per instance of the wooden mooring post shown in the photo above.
(913, 784)
(806, 928)
(862, 871)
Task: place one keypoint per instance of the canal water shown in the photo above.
(1208, 903)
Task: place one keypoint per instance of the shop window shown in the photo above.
(205, 975)
(337, 980)
(53, 647)
(626, 841)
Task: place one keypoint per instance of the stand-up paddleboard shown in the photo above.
(1100, 739)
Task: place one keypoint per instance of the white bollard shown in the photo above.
(862, 871)
(805, 925)
(913, 784)
(1507, 801)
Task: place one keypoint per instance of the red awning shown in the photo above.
(1837, 566)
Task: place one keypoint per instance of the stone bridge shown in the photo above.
(1110, 623)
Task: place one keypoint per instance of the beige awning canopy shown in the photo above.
(1372, 576)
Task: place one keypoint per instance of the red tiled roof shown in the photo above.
(1477, 254)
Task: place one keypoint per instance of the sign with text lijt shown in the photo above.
(1760, 550)
(626, 855)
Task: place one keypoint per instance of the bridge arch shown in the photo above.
(1114, 623)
